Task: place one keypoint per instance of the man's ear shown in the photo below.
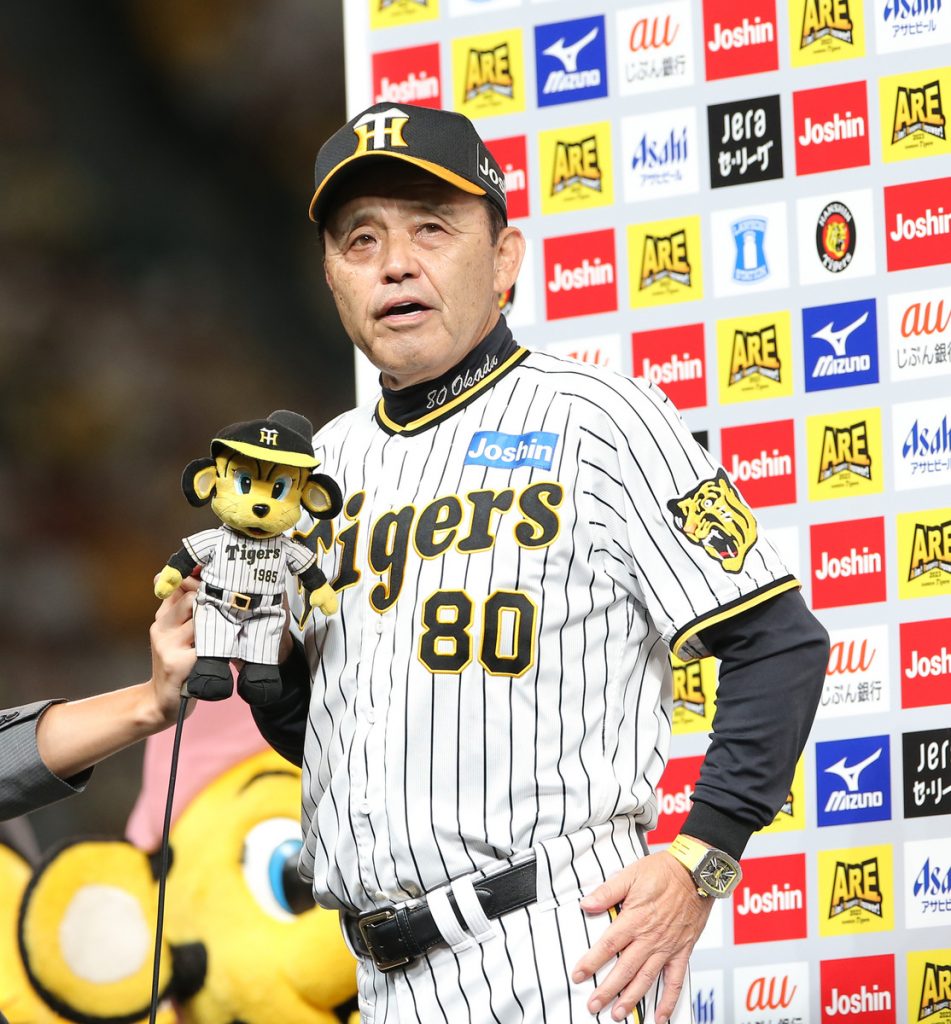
(509, 253)
(198, 481)
(321, 496)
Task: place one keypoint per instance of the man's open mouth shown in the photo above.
(404, 309)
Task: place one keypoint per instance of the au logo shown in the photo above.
(714, 516)
(754, 354)
(694, 685)
(488, 74)
(844, 449)
(664, 260)
(858, 889)
(387, 13)
(924, 552)
(828, 30)
(580, 162)
(835, 237)
(913, 119)
(749, 236)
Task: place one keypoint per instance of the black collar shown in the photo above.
(413, 409)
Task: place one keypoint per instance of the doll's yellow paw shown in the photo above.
(325, 598)
(167, 582)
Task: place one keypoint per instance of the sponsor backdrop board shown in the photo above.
(746, 202)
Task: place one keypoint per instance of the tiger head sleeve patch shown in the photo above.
(713, 515)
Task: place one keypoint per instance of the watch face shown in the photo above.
(718, 874)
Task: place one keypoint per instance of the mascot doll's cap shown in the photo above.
(284, 437)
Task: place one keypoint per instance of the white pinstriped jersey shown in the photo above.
(248, 565)
(511, 574)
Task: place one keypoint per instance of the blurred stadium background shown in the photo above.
(158, 279)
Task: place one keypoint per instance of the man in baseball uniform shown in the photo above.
(523, 540)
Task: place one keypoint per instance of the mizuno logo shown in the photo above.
(838, 339)
(851, 775)
(568, 55)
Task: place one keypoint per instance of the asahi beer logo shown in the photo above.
(911, 24)
(694, 684)
(673, 358)
(926, 771)
(488, 74)
(856, 890)
(924, 553)
(853, 781)
(739, 39)
(390, 13)
(925, 663)
(706, 990)
(659, 154)
(655, 47)
(751, 246)
(571, 61)
(576, 168)
(848, 562)
(921, 443)
(831, 128)
(919, 334)
(771, 994)
(927, 883)
(770, 903)
(913, 112)
(512, 157)
(580, 276)
(408, 76)
(856, 676)
(602, 350)
(918, 224)
(840, 345)
(674, 792)
(845, 453)
(754, 355)
(745, 141)
(859, 989)
(929, 986)
(664, 262)
(836, 237)
(825, 30)
(761, 461)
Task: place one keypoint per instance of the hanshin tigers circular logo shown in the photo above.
(835, 236)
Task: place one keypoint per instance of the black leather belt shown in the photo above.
(243, 602)
(395, 936)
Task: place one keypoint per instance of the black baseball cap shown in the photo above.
(441, 142)
(283, 437)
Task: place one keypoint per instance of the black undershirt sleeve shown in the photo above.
(183, 561)
(283, 722)
(773, 661)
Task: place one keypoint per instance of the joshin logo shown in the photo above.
(848, 562)
(579, 274)
(918, 224)
(510, 451)
(858, 988)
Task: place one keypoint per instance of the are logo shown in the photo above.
(655, 47)
(841, 242)
(664, 262)
(860, 987)
(674, 792)
(831, 128)
(913, 114)
(924, 553)
(918, 224)
(791, 817)
(659, 153)
(739, 39)
(751, 244)
(853, 781)
(408, 76)
(911, 24)
(761, 460)
(856, 676)
(919, 333)
(840, 345)
(771, 994)
(929, 986)
(925, 663)
(580, 275)
(856, 891)
(576, 168)
(755, 357)
(825, 30)
(512, 158)
(845, 454)
(674, 359)
(746, 142)
(602, 350)
(927, 886)
(571, 61)
(770, 903)
(389, 13)
(926, 772)
(488, 74)
(848, 562)
(921, 436)
(695, 684)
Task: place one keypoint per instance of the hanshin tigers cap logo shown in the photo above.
(713, 515)
(443, 143)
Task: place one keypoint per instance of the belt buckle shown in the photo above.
(241, 601)
(366, 921)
